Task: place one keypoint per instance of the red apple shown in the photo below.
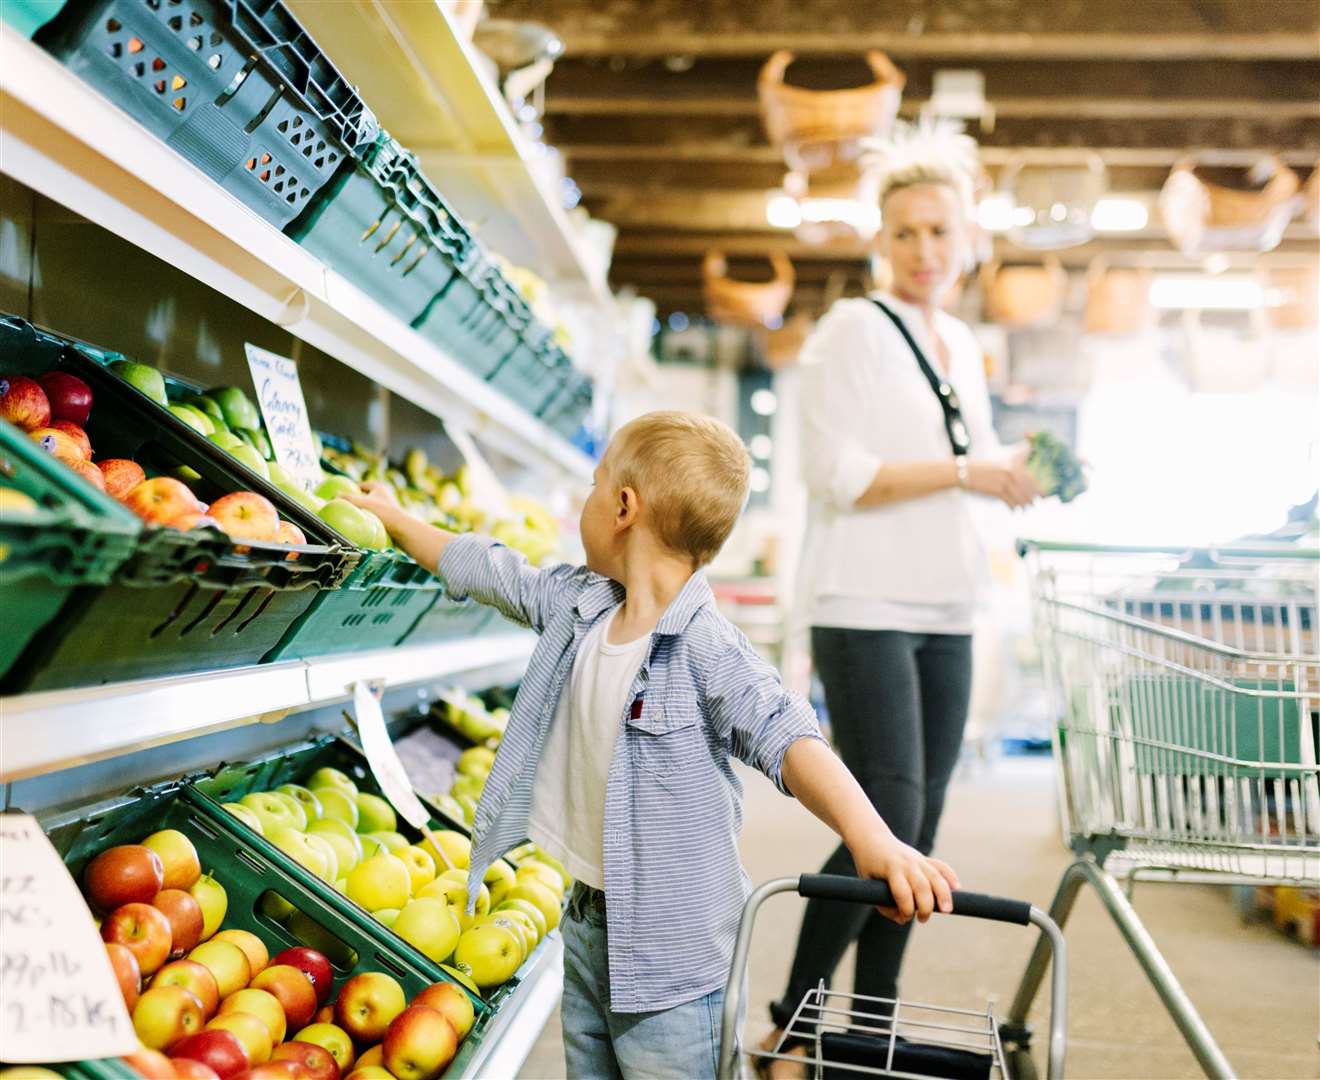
(166, 1014)
(151, 1064)
(195, 978)
(188, 1069)
(23, 402)
(367, 1003)
(160, 499)
(317, 1062)
(90, 473)
(144, 930)
(252, 1032)
(289, 533)
(121, 476)
(127, 973)
(245, 515)
(292, 989)
(185, 916)
(77, 434)
(58, 444)
(315, 966)
(274, 1070)
(192, 519)
(126, 874)
(325, 1014)
(450, 1000)
(178, 856)
(70, 398)
(419, 1044)
(217, 1048)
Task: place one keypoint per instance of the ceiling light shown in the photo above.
(761, 447)
(678, 322)
(1190, 291)
(764, 402)
(860, 216)
(782, 212)
(995, 213)
(759, 481)
(1119, 215)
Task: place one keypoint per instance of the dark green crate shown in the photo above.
(29, 16)
(99, 1069)
(383, 226)
(374, 609)
(448, 619)
(77, 536)
(571, 407)
(467, 319)
(533, 379)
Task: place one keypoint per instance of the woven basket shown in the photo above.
(1117, 299)
(1024, 295)
(1299, 287)
(820, 129)
(754, 303)
(1202, 217)
(781, 347)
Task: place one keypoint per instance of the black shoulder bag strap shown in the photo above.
(959, 438)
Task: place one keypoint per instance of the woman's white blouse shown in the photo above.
(913, 565)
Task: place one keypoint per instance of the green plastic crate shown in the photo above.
(97, 1069)
(382, 225)
(533, 379)
(77, 536)
(468, 319)
(29, 16)
(448, 619)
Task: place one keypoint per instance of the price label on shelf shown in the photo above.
(280, 398)
(59, 998)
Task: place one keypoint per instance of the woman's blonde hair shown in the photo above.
(927, 152)
(691, 473)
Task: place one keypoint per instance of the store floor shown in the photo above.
(1257, 991)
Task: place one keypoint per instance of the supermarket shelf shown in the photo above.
(425, 84)
(61, 138)
(519, 1023)
(59, 729)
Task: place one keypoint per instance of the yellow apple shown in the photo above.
(380, 882)
(338, 805)
(299, 846)
(307, 799)
(299, 811)
(456, 848)
(327, 777)
(262, 1004)
(391, 841)
(430, 925)
(421, 867)
(246, 815)
(491, 953)
(499, 878)
(323, 845)
(211, 895)
(340, 836)
(522, 930)
(538, 871)
(375, 814)
(531, 911)
(539, 895)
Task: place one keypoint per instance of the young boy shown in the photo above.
(617, 754)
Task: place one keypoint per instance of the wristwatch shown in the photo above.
(961, 469)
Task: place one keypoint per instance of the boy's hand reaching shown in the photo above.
(376, 496)
(423, 542)
(920, 884)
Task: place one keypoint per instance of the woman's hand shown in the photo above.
(921, 885)
(1008, 481)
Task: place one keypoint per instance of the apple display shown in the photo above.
(448, 1000)
(539, 895)
(381, 881)
(188, 1069)
(161, 499)
(300, 847)
(338, 805)
(236, 406)
(292, 988)
(483, 893)
(531, 911)
(340, 836)
(516, 925)
(23, 402)
(185, 917)
(70, 398)
(221, 1050)
(311, 964)
(215, 903)
(250, 1030)
(144, 930)
(248, 456)
(273, 811)
(227, 962)
(195, 978)
(127, 973)
(245, 515)
(194, 418)
(305, 797)
(316, 1062)
(299, 813)
(177, 855)
(334, 486)
(74, 432)
(253, 948)
(375, 814)
(125, 874)
(366, 1005)
(380, 536)
(419, 1044)
(90, 473)
(165, 1014)
(350, 522)
(58, 444)
(421, 867)
(455, 849)
(150, 1064)
(330, 1037)
(490, 953)
(246, 815)
(526, 925)
(393, 842)
(430, 926)
(142, 377)
(454, 894)
(226, 440)
(538, 871)
(264, 1006)
(327, 777)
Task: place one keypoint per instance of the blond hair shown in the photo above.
(929, 151)
(690, 472)
(917, 173)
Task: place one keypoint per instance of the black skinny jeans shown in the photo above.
(898, 705)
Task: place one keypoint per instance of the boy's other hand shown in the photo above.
(920, 884)
(376, 496)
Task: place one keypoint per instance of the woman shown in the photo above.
(892, 558)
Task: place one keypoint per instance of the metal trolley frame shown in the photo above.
(1186, 687)
(857, 1035)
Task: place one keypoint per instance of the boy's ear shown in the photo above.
(626, 508)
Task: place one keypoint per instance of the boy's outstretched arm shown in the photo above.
(425, 543)
(823, 784)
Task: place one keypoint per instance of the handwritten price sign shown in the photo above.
(280, 398)
(59, 999)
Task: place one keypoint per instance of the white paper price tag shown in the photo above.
(59, 999)
(280, 398)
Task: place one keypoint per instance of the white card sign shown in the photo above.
(280, 398)
(59, 998)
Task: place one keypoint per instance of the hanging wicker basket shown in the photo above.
(1117, 299)
(1292, 296)
(821, 129)
(754, 303)
(1025, 295)
(781, 347)
(1203, 217)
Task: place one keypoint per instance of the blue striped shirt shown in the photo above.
(674, 886)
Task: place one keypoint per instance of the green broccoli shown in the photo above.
(1055, 467)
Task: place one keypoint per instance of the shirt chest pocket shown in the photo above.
(664, 741)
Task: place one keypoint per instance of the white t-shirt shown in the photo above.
(568, 800)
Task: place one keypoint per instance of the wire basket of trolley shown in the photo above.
(857, 1035)
(1186, 692)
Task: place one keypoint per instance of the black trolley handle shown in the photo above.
(877, 894)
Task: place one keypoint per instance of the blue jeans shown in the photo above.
(681, 1043)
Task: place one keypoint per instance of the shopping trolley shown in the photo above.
(857, 1035)
(1186, 687)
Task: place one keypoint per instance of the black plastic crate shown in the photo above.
(235, 86)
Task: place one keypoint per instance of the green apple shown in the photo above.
(449, 805)
(334, 486)
(187, 474)
(490, 953)
(204, 404)
(500, 879)
(381, 881)
(388, 839)
(386, 916)
(272, 811)
(375, 814)
(226, 440)
(421, 867)
(327, 777)
(469, 807)
(469, 785)
(541, 895)
(310, 803)
(323, 845)
(238, 410)
(245, 814)
(341, 837)
(350, 522)
(142, 377)
(476, 761)
(431, 926)
(453, 893)
(372, 846)
(381, 540)
(249, 457)
(341, 886)
(300, 815)
(540, 855)
(531, 911)
(338, 805)
(299, 847)
(198, 421)
(257, 439)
